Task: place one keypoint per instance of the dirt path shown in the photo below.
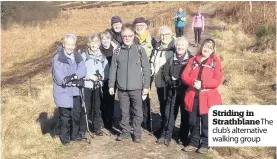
(106, 146)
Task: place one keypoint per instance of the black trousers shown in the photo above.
(197, 35)
(194, 123)
(162, 97)
(146, 110)
(179, 31)
(107, 106)
(93, 102)
(69, 119)
(184, 126)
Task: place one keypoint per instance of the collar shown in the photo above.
(169, 47)
(186, 57)
(123, 46)
(62, 57)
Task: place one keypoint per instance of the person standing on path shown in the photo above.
(148, 42)
(171, 74)
(97, 72)
(203, 75)
(68, 65)
(180, 21)
(164, 50)
(198, 25)
(130, 70)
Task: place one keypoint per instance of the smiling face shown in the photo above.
(94, 44)
(181, 46)
(165, 36)
(69, 45)
(106, 41)
(140, 28)
(128, 37)
(117, 27)
(207, 49)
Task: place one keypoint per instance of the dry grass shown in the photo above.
(248, 79)
(27, 52)
(22, 136)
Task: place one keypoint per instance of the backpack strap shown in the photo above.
(117, 52)
(197, 64)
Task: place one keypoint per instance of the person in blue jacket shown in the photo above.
(68, 67)
(180, 20)
(97, 72)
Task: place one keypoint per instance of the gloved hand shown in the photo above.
(67, 79)
(178, 18)
(78, 83)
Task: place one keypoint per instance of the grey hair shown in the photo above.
(92, 37)
(183, 40)
(70, 36)
(163, 28)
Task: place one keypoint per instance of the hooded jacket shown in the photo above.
(62, 66)
(93, 62)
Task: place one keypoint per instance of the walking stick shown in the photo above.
(86, 115)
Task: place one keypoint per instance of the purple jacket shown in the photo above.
(62, 67)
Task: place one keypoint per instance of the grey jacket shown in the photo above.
(128, 70)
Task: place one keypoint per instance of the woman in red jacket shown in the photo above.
(203, 75)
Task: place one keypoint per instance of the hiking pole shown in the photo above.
(85, 110)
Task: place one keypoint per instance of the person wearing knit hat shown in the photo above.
(115, 31)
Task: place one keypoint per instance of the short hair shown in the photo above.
(105, 34)
(182, 39)
(163, 28)
(128, 26)
(69, 36)
(93, 37)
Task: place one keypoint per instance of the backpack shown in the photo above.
(201, 16)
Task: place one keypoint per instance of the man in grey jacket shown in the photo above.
(130, 69)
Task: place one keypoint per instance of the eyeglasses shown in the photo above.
(128, 36)
(140, 25)
(167, 35)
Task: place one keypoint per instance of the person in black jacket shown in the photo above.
(107, 104)
(115, 31)
(172, 76)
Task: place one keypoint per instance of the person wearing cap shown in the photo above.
(180, 20)
(130, 70)
(144, 38)
(115, 31)
(203, 75)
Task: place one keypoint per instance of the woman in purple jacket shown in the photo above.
(68, 68)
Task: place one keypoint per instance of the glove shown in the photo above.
(178, 18)
(67, 79)
(78, 83)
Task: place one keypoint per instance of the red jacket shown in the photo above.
(211, 79)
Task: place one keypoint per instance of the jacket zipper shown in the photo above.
(127, 70)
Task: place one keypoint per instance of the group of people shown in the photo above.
(198, 24)
(128, 59)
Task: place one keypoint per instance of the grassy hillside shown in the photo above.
(28, 46)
